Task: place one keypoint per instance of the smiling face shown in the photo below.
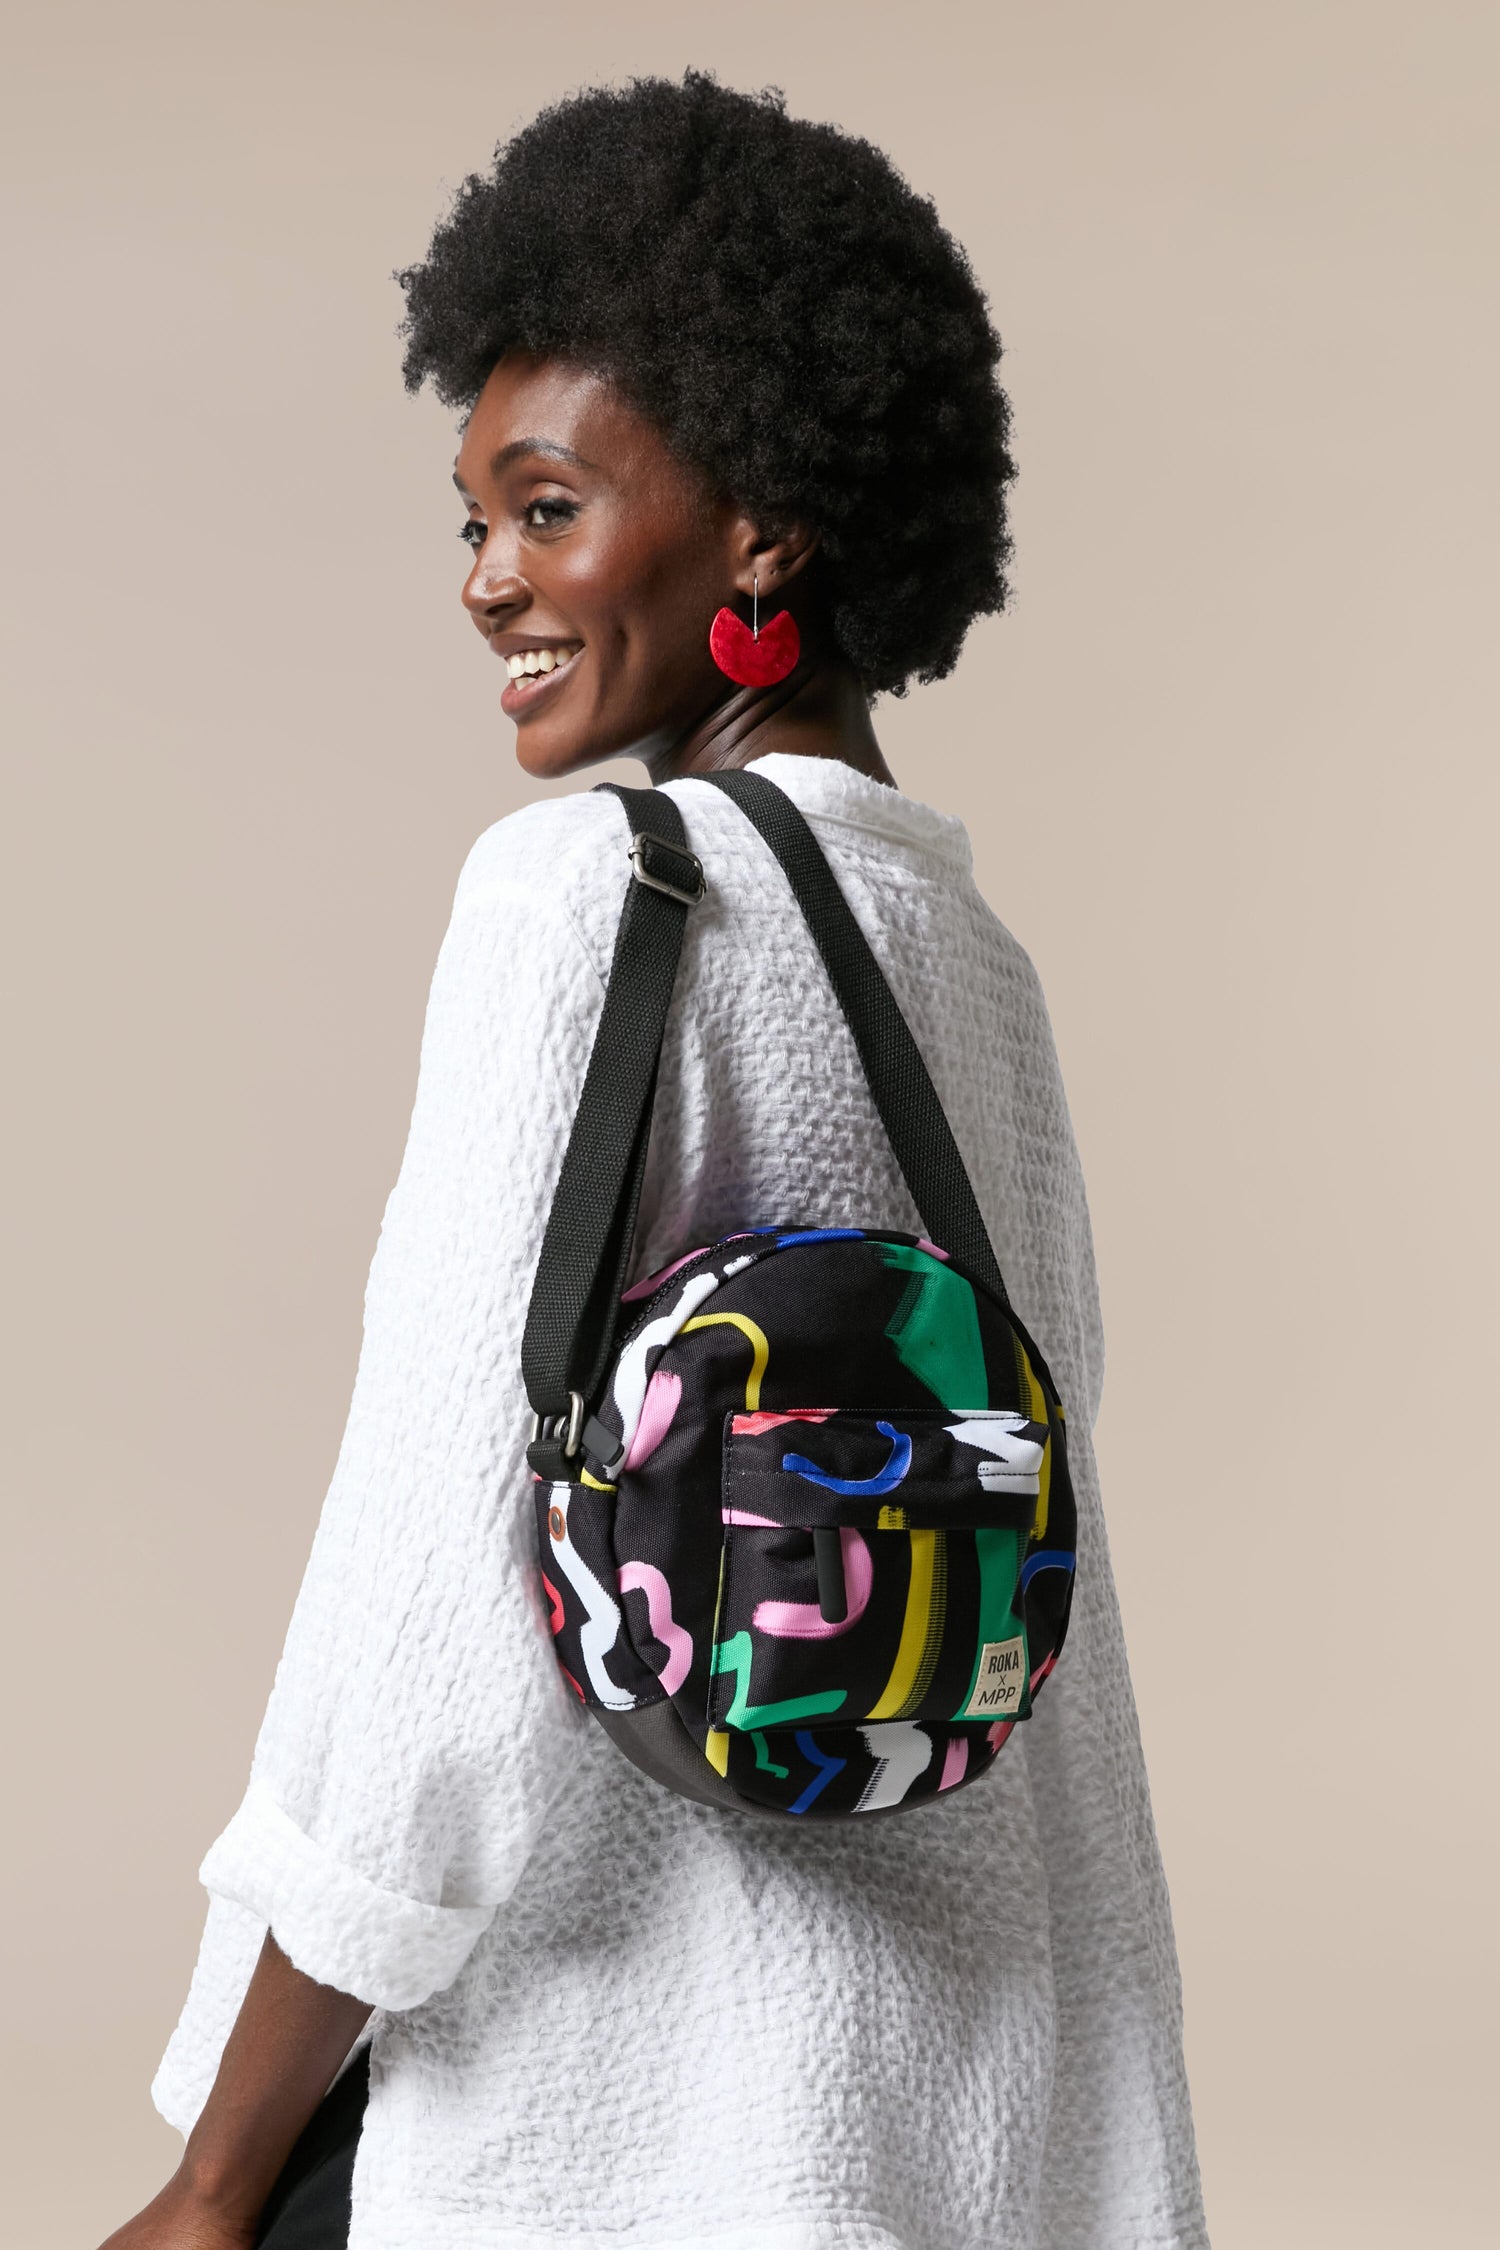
(599, 564)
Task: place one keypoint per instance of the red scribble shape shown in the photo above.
(753, 1425)
(555, 1598)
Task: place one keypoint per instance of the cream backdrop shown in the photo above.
(1227, 766)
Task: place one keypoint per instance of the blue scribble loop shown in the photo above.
(1050, 1558)
(886, 1480)
(822, 1234)
(828, 1767)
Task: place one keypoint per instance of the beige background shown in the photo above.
(1228, 768)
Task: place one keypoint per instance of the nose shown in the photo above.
(494, 593)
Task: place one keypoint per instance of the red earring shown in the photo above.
(749, 656)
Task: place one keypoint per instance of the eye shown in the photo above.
(547, 515)
(472, 534)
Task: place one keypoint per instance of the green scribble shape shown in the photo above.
(763, 1759)
(935, 1329)
(733, 1655)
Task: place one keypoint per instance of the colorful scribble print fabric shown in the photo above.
(776, 1391)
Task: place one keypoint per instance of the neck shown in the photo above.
(819, 711)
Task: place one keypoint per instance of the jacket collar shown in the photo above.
(825, 789)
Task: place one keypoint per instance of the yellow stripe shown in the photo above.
(760, 1349)
(1038, 1411)
(585, 1478)
(716, 1749)
(937, 1617)
(891, 1519)
(913, 1627)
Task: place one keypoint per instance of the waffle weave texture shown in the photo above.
(609, 2016)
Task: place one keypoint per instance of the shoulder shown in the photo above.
(549, 849)
(541, 891)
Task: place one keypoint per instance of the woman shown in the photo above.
(707, 356)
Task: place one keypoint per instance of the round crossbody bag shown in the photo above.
(802, 1500)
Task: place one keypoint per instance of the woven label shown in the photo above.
(1002, 1678)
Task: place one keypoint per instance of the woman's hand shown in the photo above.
(179, 2219)
(288, 2042)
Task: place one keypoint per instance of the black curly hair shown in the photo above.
(782, 306)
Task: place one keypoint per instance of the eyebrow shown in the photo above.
(548, 448)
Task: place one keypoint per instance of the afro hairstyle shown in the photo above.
(781, 306)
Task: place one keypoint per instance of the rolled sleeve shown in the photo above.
(329, 1920)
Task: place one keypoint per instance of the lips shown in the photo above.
(537, 675)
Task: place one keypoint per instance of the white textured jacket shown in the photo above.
(609, 2016)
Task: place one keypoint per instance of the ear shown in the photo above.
(776, 559)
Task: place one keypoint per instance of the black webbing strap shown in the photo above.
(586, 1247)
(919, 1133)
(574, 1309)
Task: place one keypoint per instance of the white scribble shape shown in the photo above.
(1015, 1463)
(905, 1753)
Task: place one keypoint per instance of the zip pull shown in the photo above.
(833, 1594)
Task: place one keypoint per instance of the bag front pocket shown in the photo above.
(871, 1564)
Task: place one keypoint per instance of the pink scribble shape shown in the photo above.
(932, 1249)
(675, 1639)
(804, 1621)
(756, 1523)
(658, 1407)
(1042, 1671)
(955, 1761)
(555, 1598)
(999, 1733)
(655, 1280)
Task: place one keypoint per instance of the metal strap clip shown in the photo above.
(552, 1426)
(682, 879)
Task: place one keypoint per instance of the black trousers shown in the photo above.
(308, 2208)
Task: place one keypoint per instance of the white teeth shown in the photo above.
(534, 661)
